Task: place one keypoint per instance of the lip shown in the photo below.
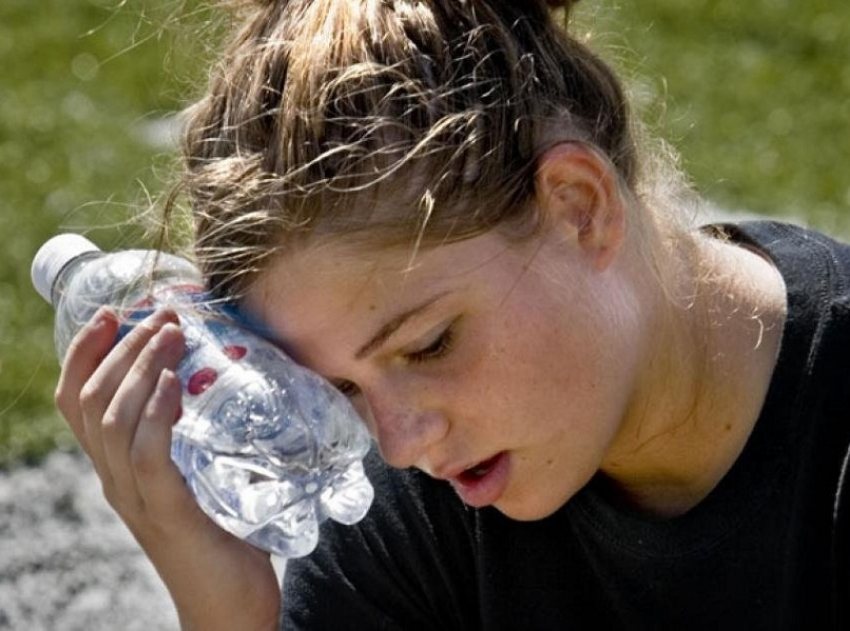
(486, 486)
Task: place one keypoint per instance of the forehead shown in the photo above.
(318, 293)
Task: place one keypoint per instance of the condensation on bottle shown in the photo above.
(269, 449)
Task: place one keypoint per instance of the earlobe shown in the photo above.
(577, 192)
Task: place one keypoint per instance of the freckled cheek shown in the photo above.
(481, 393)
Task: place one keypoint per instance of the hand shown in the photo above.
(121, 401)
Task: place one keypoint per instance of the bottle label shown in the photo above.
(179, 295)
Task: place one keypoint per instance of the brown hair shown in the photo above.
(389, 122)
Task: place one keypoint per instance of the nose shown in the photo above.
(404, 427)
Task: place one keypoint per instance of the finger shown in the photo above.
(99, 390)
(139, 394)
(166, 496)
(84, 355)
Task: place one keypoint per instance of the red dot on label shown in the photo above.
(235, 352)
(201, 380)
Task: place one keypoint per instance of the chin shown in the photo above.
(526, 510)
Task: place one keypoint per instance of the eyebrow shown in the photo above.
(389, 329)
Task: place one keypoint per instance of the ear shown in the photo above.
(578, 195)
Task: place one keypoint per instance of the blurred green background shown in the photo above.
(754, 95)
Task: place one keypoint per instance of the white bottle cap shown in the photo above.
(55, 254)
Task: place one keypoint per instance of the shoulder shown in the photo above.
(794, 248)
(816, 268)
(813, 366)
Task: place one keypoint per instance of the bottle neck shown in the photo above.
(67, 273)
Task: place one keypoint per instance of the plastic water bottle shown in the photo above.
(268, 448)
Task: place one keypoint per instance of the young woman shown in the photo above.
(587, 415)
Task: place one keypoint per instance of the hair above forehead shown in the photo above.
(386, 121)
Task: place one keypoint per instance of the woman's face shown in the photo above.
(506, 370)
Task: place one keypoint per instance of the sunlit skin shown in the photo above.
(540, 356)
(495, 359)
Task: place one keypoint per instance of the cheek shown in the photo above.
(510, 376)
(568, 369)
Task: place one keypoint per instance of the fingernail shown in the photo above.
(102, 316)
(165, 315)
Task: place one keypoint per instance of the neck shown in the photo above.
(705, 378)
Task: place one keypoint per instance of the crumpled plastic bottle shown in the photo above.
(269, 448)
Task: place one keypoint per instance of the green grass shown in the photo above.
(82, 82)
(755, 95)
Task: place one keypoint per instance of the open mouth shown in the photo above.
(482, 484)
(478, 471)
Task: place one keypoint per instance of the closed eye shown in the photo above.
(436, 349)
(348, 389)
(439, 347)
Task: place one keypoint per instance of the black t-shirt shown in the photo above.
(758, 553)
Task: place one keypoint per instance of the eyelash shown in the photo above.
(438, 348)
(348, 389)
